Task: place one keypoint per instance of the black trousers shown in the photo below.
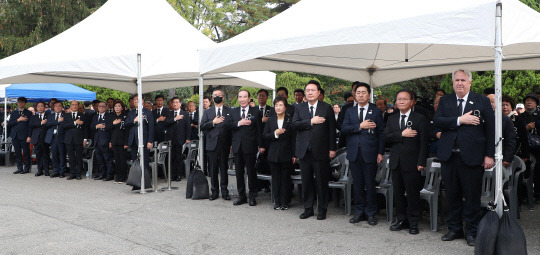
(75, 159)
(218, 170)
(22, 147)
(42, 157)
(281, 181)
(410, 181)
(58, 151)
(365, 196)
(241, 161)
(104, 160)
(310, 167)
(178, 167)
(463, 187)
(120, 166)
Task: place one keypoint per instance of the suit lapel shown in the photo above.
(469, 105)
(319, 111)
(453, 104)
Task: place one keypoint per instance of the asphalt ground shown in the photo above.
(40, 215)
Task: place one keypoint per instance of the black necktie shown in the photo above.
(56, 117)
(191, 116)
(73, 115)
(311, 111)
(460, 107)
(175, 114)
(403, 122)
(219, 112)
(243, 113)
(361, 115)
(158, 112)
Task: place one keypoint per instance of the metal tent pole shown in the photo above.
(201, 134)
(140, 122)
(372, 96)
(498, 111)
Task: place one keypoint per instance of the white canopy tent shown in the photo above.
(128, 45)
(383, 42)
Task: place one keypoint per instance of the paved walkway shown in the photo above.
(39, 215)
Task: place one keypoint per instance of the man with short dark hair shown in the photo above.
(315, 145)
(298, 96)
(55, 139)
(160, 115)
(194, 119)
(206, 102)
(266, 110)
(37, 133)
(110, 105)
(341, 116)
(18, 122)
(132, 123)
(179, 132)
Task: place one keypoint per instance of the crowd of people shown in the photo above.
(458, 129)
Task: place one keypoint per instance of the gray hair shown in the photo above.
(466, 72)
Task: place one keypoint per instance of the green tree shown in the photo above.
(26, 23)
(103, 93)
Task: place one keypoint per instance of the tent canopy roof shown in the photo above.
(350, 39)
(102, 50)
(46, 91)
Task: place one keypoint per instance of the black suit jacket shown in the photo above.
(474, 142)
(246, 138)
(280, 149)
(509, 139)
(322, 136)
(148, 127)
(102, 137)
(119, 132)
(19, 130)
(369, 142)
(408, 152)
(218, 132)
(74, 134)
(180, 130)
(53, 124)
(160, 126)
(38, 131)
(194, 121)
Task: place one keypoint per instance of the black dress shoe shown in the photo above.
(39, 174)
(25, 172)
(414, 230)
(79, 178)
(18, 172)
(450, 236)
(62, 176)
(98, 178)
(226, 197)
(55, 175)
(71, 177)
(46, 173)
(107, 179)
(277, 207)
(284, 207)
(307, 213)
(321, 215)
(400, 225)
(470, 240)
(240, 201)
(252, 202)
(357, 218)
(372, 220)
(213, 197)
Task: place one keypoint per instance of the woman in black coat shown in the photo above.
(281, 143)
(118, 140)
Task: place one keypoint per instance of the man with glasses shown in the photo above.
(102, 126)
(75, 132)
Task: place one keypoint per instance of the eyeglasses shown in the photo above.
(403, 99)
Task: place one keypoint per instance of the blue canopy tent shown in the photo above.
(45, 91)
(36, 92)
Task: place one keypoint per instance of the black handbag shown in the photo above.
(534, 140)
(134, 177)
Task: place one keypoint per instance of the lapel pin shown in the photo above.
(471, 102)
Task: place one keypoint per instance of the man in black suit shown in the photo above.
(110, 105)
(75, 131)
(194, 118)
(18, 122)
(245, 123)
(363, 126)
(179, 132)
(265, 110)
(160, 114)
(132, 123)
(55, 139)
(37, 138)
(299, 95)
(315, 145)
(218, 142)
(466, 148)
(341, 115)
(102, 126)
(406, 134)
